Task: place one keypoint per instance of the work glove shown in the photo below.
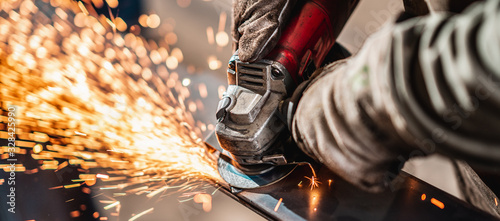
(257, 26)
(424, 85)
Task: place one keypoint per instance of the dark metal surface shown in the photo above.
(340, 200)
(336, 199)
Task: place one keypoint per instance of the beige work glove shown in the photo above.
(425, 85)
(257, 26)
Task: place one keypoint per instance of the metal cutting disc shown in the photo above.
(237, 177)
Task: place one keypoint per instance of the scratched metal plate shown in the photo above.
(340, 200)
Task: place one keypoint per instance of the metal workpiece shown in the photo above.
(408, 198)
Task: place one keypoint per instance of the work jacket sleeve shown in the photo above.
(424, 85)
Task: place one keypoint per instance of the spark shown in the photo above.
(37, 148)
(143, 20)
(221, 186)
(185, 200)
(69, 186)
(56, 187)
(141, 214)
(172, 62)
(112, 205)
(153, 21)
(61, 166)
(109, 188)
(314, 182)
(222, 38)
(205, 200)
(106, 201)
(156, 192)
(186, 82)
(437, 203)
(177, 53)
(496, 202)
(423, 197)
(214, 63)
(278, 205)
(80, 133)
(102, 176)
(119, 161)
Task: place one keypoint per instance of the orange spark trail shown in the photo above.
(94, 98)
(278, 205)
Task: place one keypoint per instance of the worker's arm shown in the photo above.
(423, 85)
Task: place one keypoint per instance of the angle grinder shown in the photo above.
(252, 135)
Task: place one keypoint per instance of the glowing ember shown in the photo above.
(37, 148)
(437, 203)
(75, 213)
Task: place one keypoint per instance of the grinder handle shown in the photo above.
(310, 35)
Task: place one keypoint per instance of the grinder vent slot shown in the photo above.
(252, 76)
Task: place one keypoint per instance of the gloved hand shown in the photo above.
(395, 99)
(345, 118)
(257, 26)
